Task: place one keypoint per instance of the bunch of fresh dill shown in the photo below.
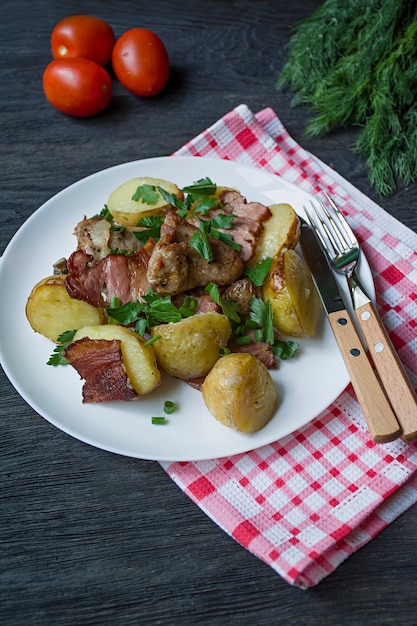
(354, 62)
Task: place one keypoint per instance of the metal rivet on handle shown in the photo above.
(342, 321)
(355, 352)
(378, 347)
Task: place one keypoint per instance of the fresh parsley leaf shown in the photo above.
(204, 205)
(284, 349)
(146, 193)
(182, 206)
(261, 313)
(152, 310)
(229, 308)
(105, 214)
(203, 187)
(152, 228)
(259, 272)
(200, 242)
(223, 221)
(226, 238)
(64, 339)
(118, 229)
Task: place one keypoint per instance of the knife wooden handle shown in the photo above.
(397, 386)
(380, 418)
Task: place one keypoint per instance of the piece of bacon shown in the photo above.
(117, 275)
(259, 349)
(99, 362)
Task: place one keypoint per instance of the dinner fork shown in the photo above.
(343, 252)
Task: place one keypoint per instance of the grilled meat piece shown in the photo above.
(175, 267)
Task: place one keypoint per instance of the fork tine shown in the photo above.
(341, 219)
(320, 227)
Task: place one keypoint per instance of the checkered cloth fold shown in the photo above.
(305, 503)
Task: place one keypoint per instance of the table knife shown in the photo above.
(380, 418)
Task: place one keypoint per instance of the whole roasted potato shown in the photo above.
(240, 393)
(189, 348)
(293, 297)
(138, 198)
(280, 231)
(50, 311)
(138, 359)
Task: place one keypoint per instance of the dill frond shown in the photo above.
(354, 62)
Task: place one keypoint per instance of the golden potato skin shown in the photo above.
(50, 311)
(293, 297)
(240, 393)
(189, 348)
(138, 359)
(280, 232)
(127, 211)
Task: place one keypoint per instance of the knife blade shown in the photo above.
(380, 418)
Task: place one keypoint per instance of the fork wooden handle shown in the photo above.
(381, 421)
(397, 386)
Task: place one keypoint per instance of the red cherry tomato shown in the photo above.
(83, 36)
(77, 86)
(140, 62)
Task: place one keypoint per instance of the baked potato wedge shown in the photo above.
(50, 311)
(189, 348)
(138, 358)
(138, 198)
(240, 393)
(293, 297)
(281, 231)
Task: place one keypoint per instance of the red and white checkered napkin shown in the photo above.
(306, 502)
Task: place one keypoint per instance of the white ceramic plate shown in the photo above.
(306, 384)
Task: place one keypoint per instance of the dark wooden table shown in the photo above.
(89, 537)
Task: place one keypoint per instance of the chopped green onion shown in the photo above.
(243, 341)
(159, 420)
(169, 406)
(152, 340)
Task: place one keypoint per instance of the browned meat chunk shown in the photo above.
(175, 267)
(99, 362)
(242, 291)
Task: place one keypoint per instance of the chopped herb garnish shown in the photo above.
(169, 406)
(261, 313)
(284, 349)
(146, 193)
(106, 215)
(151, 228)
(199, 241)
(229, 308)
(64, 339)
(151, 311)
(259, 272)
(244, 340)
(159, 420)
(182, 206)
(118, 229)
(152, 340)
(203, 187)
